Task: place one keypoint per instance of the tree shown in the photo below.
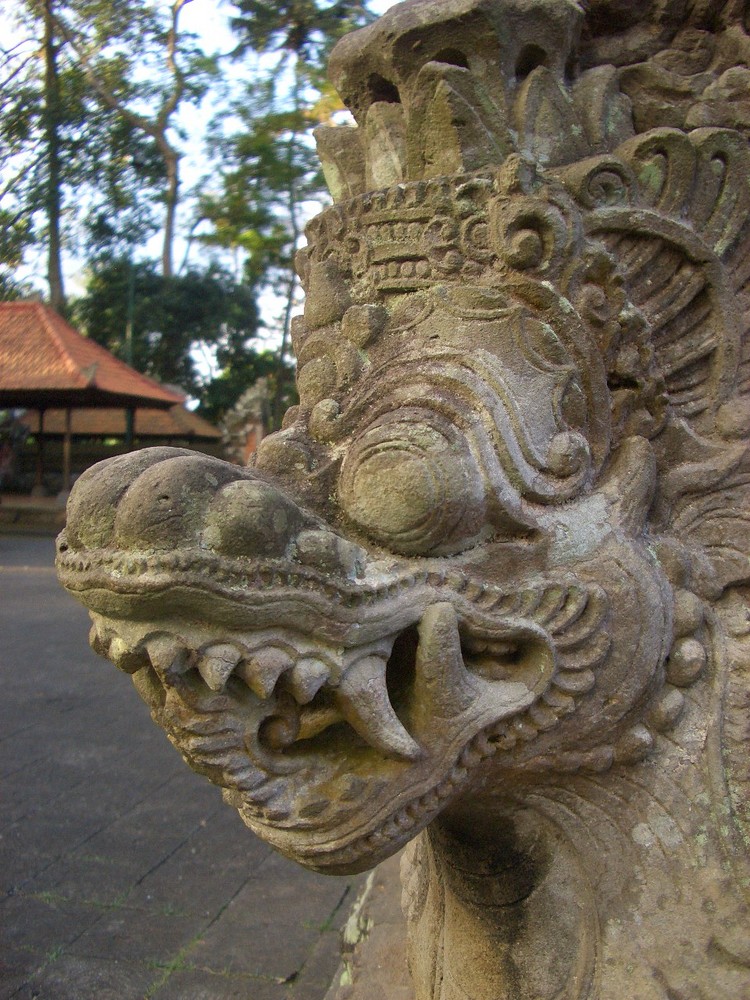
(305, 30)
(173, 318)
(131, 56)
(67, 161)
(269, 174)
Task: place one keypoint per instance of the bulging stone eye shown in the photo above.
(413, 486)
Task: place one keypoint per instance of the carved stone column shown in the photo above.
(488, 586)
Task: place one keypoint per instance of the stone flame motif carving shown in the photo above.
(491, 578)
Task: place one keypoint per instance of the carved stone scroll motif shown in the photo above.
(487, 590)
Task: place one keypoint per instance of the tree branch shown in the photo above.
(106, 95)
(173, 100)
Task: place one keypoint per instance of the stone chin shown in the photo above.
(341, 696)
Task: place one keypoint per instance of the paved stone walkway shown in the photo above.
(125, 877)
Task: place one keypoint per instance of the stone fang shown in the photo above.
(362, 697)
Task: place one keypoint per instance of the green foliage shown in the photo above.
(172, 318)
(267, 169)
(107, 169)
(222, 392)
(124, 73)
(268, 174)
(304, 27)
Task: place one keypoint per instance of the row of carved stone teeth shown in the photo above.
(356, 681)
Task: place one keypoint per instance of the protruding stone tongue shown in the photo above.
(364, 703)
(442, 681)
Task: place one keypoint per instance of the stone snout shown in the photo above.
(164, 500)
(318, 698)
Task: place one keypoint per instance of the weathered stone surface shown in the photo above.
(488, 585)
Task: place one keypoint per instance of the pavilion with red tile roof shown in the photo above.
(45, 362)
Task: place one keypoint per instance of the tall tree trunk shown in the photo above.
(171, 161)
(54, 199)
(293, 208)
(156, 127)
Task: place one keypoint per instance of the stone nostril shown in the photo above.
(93, 501)
(251, 518)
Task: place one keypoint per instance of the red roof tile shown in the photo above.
(43, 359)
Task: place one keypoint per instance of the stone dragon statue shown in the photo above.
(488, 584)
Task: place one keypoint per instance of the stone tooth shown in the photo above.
(263, 669)
(275, 813)
(306, 678)
(125, 658)
(458, 774)
(390, 830)
(249, 779)
(403, 820)
(362, 697)
(314, 808)
(430, 801)
(265, 793)
(168, 655)
(216, 663)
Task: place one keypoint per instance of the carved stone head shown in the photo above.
(480, 550)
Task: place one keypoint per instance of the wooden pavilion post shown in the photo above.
(67, 450)
(38, 489)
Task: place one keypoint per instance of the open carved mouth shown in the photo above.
(340, 719)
